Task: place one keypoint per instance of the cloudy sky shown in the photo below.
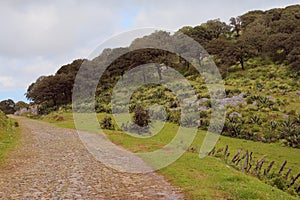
(37, 37)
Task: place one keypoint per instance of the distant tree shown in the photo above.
(250, 17)
(293, 46)
(199, 33)
(294, 58)
(240, 51)
(218, 46)
(276, 47)
(288, 22)
(254, 37)
(216, 28)
(272, 16)
(20, 105)
(7, 106)
(51, 91)
(219, 49)
(236, 25)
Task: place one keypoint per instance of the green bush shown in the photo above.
(141, 116)
(279, 182)
(174, 116)
(106, 123)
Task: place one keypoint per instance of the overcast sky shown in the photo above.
(37, 37)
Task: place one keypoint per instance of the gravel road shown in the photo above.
(52, 163)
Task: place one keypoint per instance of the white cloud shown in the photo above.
(7, 82)
(52, 28)
(175, 14)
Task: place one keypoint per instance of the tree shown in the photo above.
(216, 28)
(294, 58)
(141, 116)
(288, 22)
(52, 91)
(250, 17)
(219, 48)
(7, 106)
(20, 105)
(293, 48)
(199, 33)
(236, 25)
(255, 36)
(106, 123)
(276, 48)
(240, 51)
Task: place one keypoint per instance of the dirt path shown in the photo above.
(52, 163)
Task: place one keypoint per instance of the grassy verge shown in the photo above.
(208, 178)
(9, 134)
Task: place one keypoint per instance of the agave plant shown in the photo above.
(288, 123)
(287, 128)
(264, 100)
(255, 120)
(273, 125)
(235, 129)
(293, 139)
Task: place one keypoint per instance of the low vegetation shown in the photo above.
(9, 133)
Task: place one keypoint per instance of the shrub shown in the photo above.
(279, 182)
(16, 124)
(255, 120)
(203, 114)
(259, 86)
(174, 116)
(106, 123)
(141, 116)
(189, 120)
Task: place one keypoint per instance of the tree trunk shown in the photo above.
(242, 63)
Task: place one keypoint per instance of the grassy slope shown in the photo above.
(211, 178)
(8, 136)
(208, 178)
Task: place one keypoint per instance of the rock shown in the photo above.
(271, 98)
(284, 116)
(202, 108)
(233, 101)
(235, 114)
(202, 100)
(31, 110)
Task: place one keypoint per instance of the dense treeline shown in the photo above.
(272, 35)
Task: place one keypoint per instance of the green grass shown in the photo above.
(8, 136)
(208, 178)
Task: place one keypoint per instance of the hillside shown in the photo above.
(271, 36)
(258, 57)
(257, 54)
